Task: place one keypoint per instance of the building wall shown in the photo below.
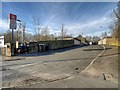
(76, 42)
(1, 41)
(104, 41)
(100, 42)
(109, 41)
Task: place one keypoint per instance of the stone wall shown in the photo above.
(49, 45)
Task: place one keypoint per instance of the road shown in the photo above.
(52, 69)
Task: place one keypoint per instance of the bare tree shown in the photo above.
(8, 36)
(37, 28)
(23, 29)
(63, 32)
(29, 37)
(19, 32)
(45, 35)
(52, 37)
(104, 35)
(115, 27)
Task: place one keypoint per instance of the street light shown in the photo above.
(17, 42)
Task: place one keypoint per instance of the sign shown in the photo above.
(12, 21)
(1, 41)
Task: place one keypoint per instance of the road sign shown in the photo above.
(12, 25)
(12, 21)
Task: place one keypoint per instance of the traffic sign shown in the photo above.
(12, 21)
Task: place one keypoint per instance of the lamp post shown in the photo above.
(19, 26)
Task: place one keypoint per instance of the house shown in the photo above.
(77, 41)
(109, 41)
(64, 38)
(1, 41)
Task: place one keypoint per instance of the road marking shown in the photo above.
(82, 71)
(94, 59)
(26, 65)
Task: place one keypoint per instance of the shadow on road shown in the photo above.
(77, 59)
(96, 49)
(49, 52)
(110, 54)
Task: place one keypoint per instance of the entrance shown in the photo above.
(40, 47)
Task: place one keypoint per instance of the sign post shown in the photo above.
(12, 25)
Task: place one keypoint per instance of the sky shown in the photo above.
(89, 18)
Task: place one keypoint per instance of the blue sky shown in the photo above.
(78, 17)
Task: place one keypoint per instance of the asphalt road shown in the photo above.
(42, 69)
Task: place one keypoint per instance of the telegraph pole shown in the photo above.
(24, 34)
(62, 31)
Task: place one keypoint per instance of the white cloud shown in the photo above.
(3, 24)
(89, 27)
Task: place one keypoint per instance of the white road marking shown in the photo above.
(94, 59)
(26, 65)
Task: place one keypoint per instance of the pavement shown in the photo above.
(106, 65)
(55, 69)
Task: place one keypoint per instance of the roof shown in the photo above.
(107, 37)
(77, 39)
(65, 37)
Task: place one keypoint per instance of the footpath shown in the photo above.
(106, 65)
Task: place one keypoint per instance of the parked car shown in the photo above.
(21, 49)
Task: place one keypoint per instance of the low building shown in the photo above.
(65, 38)
(42, 46)
(108, 41)
(77, 41)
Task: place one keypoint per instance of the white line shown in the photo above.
(94, 59)
(26, 65)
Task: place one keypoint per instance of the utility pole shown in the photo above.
(18, 29)
(23, 39)
(62, 31)
(118, 22)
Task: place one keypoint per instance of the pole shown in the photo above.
(62, 31)
(12, 44)
(118, 22)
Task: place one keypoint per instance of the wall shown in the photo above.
(56, 44)
(109, 41)
(112, 41)
(76, 42)
(1, 41)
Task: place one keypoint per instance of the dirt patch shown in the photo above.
(108, 77)
(37, 80)
(4, 69)
(14, 59)
(106, 66)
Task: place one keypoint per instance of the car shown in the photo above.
(21, 49)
